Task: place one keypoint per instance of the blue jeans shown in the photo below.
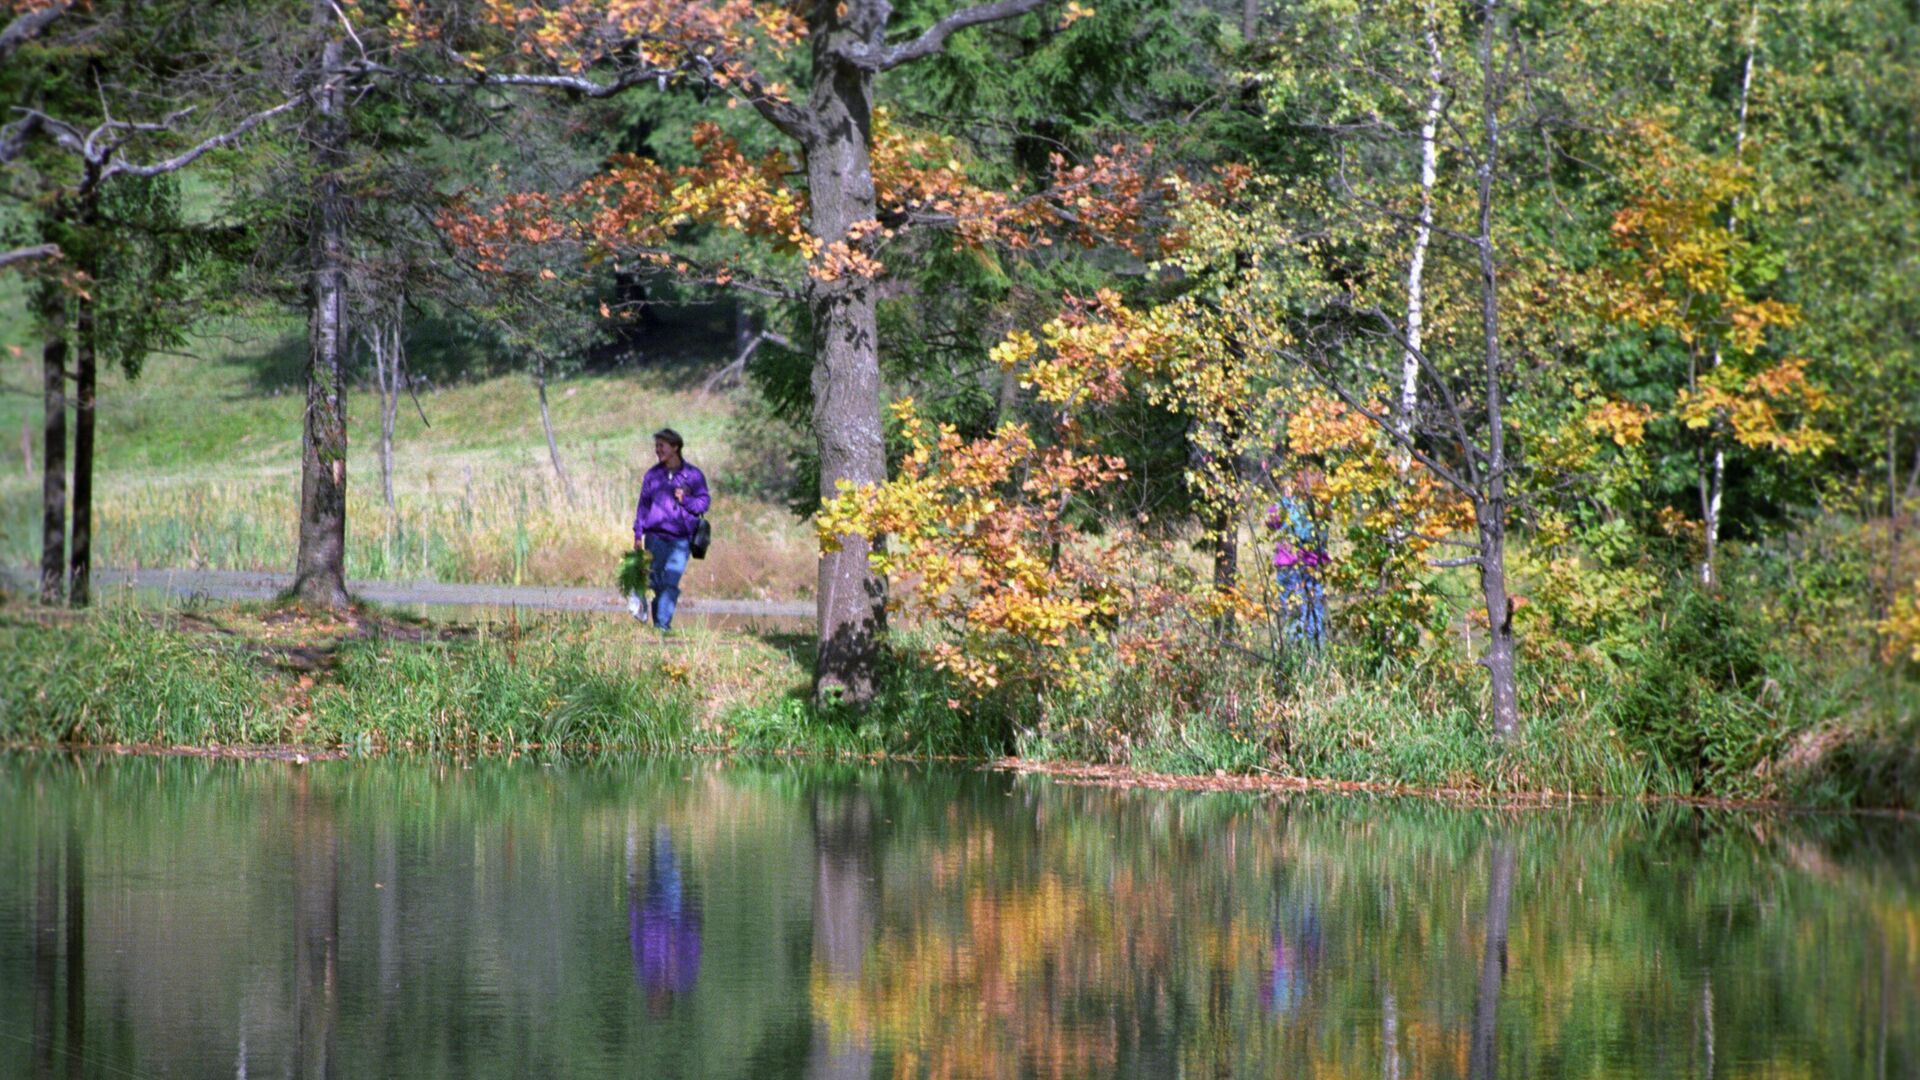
(1303, 603)
(668, 555)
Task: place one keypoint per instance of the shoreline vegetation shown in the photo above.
(273, 680)
(1073, 774)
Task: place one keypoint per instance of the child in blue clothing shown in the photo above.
(1299, 553)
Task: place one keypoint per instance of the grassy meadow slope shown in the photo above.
(199, 467)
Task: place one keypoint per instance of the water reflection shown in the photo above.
(663, 921)
(1296, 951)
(195, 918)
(1483, 1060)
(316, 930)
(845, 887)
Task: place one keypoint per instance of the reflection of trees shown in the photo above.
(316, 929)
(1483, 1060)
(866, 922)
(980, 975)
(55, 908)
(845, 898)
(76, 904)
(46, 954)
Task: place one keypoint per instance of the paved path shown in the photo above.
(250, 585)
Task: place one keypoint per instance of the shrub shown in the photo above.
(1695, 692)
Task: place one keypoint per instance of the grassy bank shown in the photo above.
(262, 675)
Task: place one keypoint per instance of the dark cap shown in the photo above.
(672, 437)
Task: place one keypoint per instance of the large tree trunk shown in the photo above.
(80, 583)
(53, 480)
(846, 368)
(1490, 509)
(320, 567)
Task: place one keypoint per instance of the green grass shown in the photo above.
(541, 693)
(117, 680)
(130, 677)
(199, 467)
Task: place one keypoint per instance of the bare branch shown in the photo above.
(26, 254)
(25, 28)
(579, 84)
(934, 37)
(226, 138)
(14, 136)
(99, 149)
(792, 121)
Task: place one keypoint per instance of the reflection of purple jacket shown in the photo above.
(659, 513)
(663, 928)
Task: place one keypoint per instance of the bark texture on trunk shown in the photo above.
(80, 582)
(53, 451)
(1483, 1057)
(846, 369)
(320, 567)
(1490, 509)
(1499, 661)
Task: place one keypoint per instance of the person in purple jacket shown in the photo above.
(673, 497)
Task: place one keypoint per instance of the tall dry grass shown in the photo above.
(199, 468)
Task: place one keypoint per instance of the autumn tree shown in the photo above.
(860, 181)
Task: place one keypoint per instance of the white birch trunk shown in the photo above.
(1422, 234)
(1717, 479)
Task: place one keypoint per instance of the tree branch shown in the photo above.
(934, 37)
(25, 28)
(99, 149)
(1384, 423)
(205, 146)
(38, 251)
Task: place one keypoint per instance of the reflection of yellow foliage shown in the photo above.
(1007, 980)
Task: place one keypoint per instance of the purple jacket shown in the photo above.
(659, 513)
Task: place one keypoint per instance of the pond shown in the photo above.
(677, 918)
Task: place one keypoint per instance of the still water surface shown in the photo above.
(166, 917)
